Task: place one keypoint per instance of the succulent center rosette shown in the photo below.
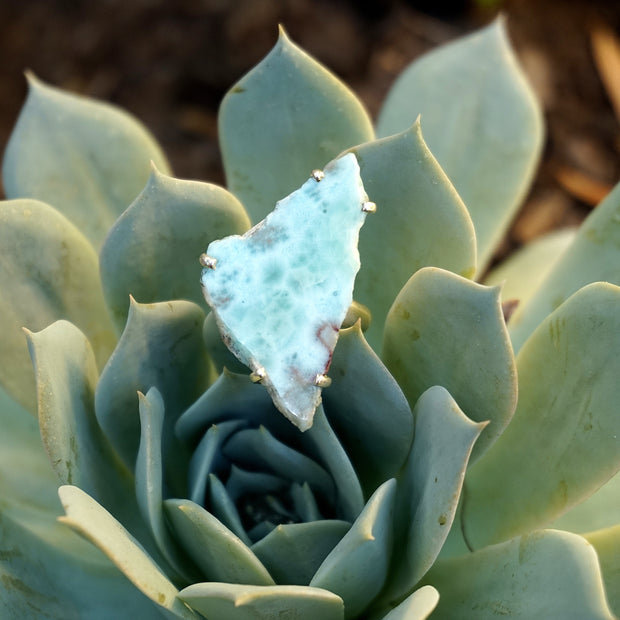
(254, 471)
(290, 496)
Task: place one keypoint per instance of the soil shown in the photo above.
(170, 63)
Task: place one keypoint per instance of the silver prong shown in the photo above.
(258, 375)
(318, 175)
(208, 261)
(322, 381)
(369, 207)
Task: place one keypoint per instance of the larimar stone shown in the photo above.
(281, 291)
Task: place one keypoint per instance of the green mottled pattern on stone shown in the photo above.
(281, 291)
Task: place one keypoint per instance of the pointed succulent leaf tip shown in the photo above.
(159, 235)
(168, 332)
(220, 554)
(94, 523)
(429, 488)
(87, 158)
(357, 566)
(80, 454)
(325, 115)
(417, 606)
(293, 552)
(427, 330)
(481, 121)
(281, 291)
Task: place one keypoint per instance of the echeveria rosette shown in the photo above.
(259, 491)
(127, 486)
(296, 499)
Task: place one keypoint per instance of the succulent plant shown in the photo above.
(405, 478)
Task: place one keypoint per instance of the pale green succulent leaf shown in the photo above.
(606, 542)
(225, 510)
(219, 553)
(48, 271)
(205, 456)
(49, 573)
(417, 606)
(420, 221)
(89, 519)
(480, 120)
(377, 445)
(293, 552)
(227, 601)
(161, 347)
(279, 308)
(599, 511)
(546, 574)
(66, 375)
(305, 503)
(161, 235)
(27, 480)
(86, 158)
(593, 256)
(429, 488)
(149, 483)
(523, 272)
(310, 118)
(79, 453)
(357, 566)
(27, 497)
(428, 336)
(566, 424)
(324, 446)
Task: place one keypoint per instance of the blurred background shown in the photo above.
(170, 63)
